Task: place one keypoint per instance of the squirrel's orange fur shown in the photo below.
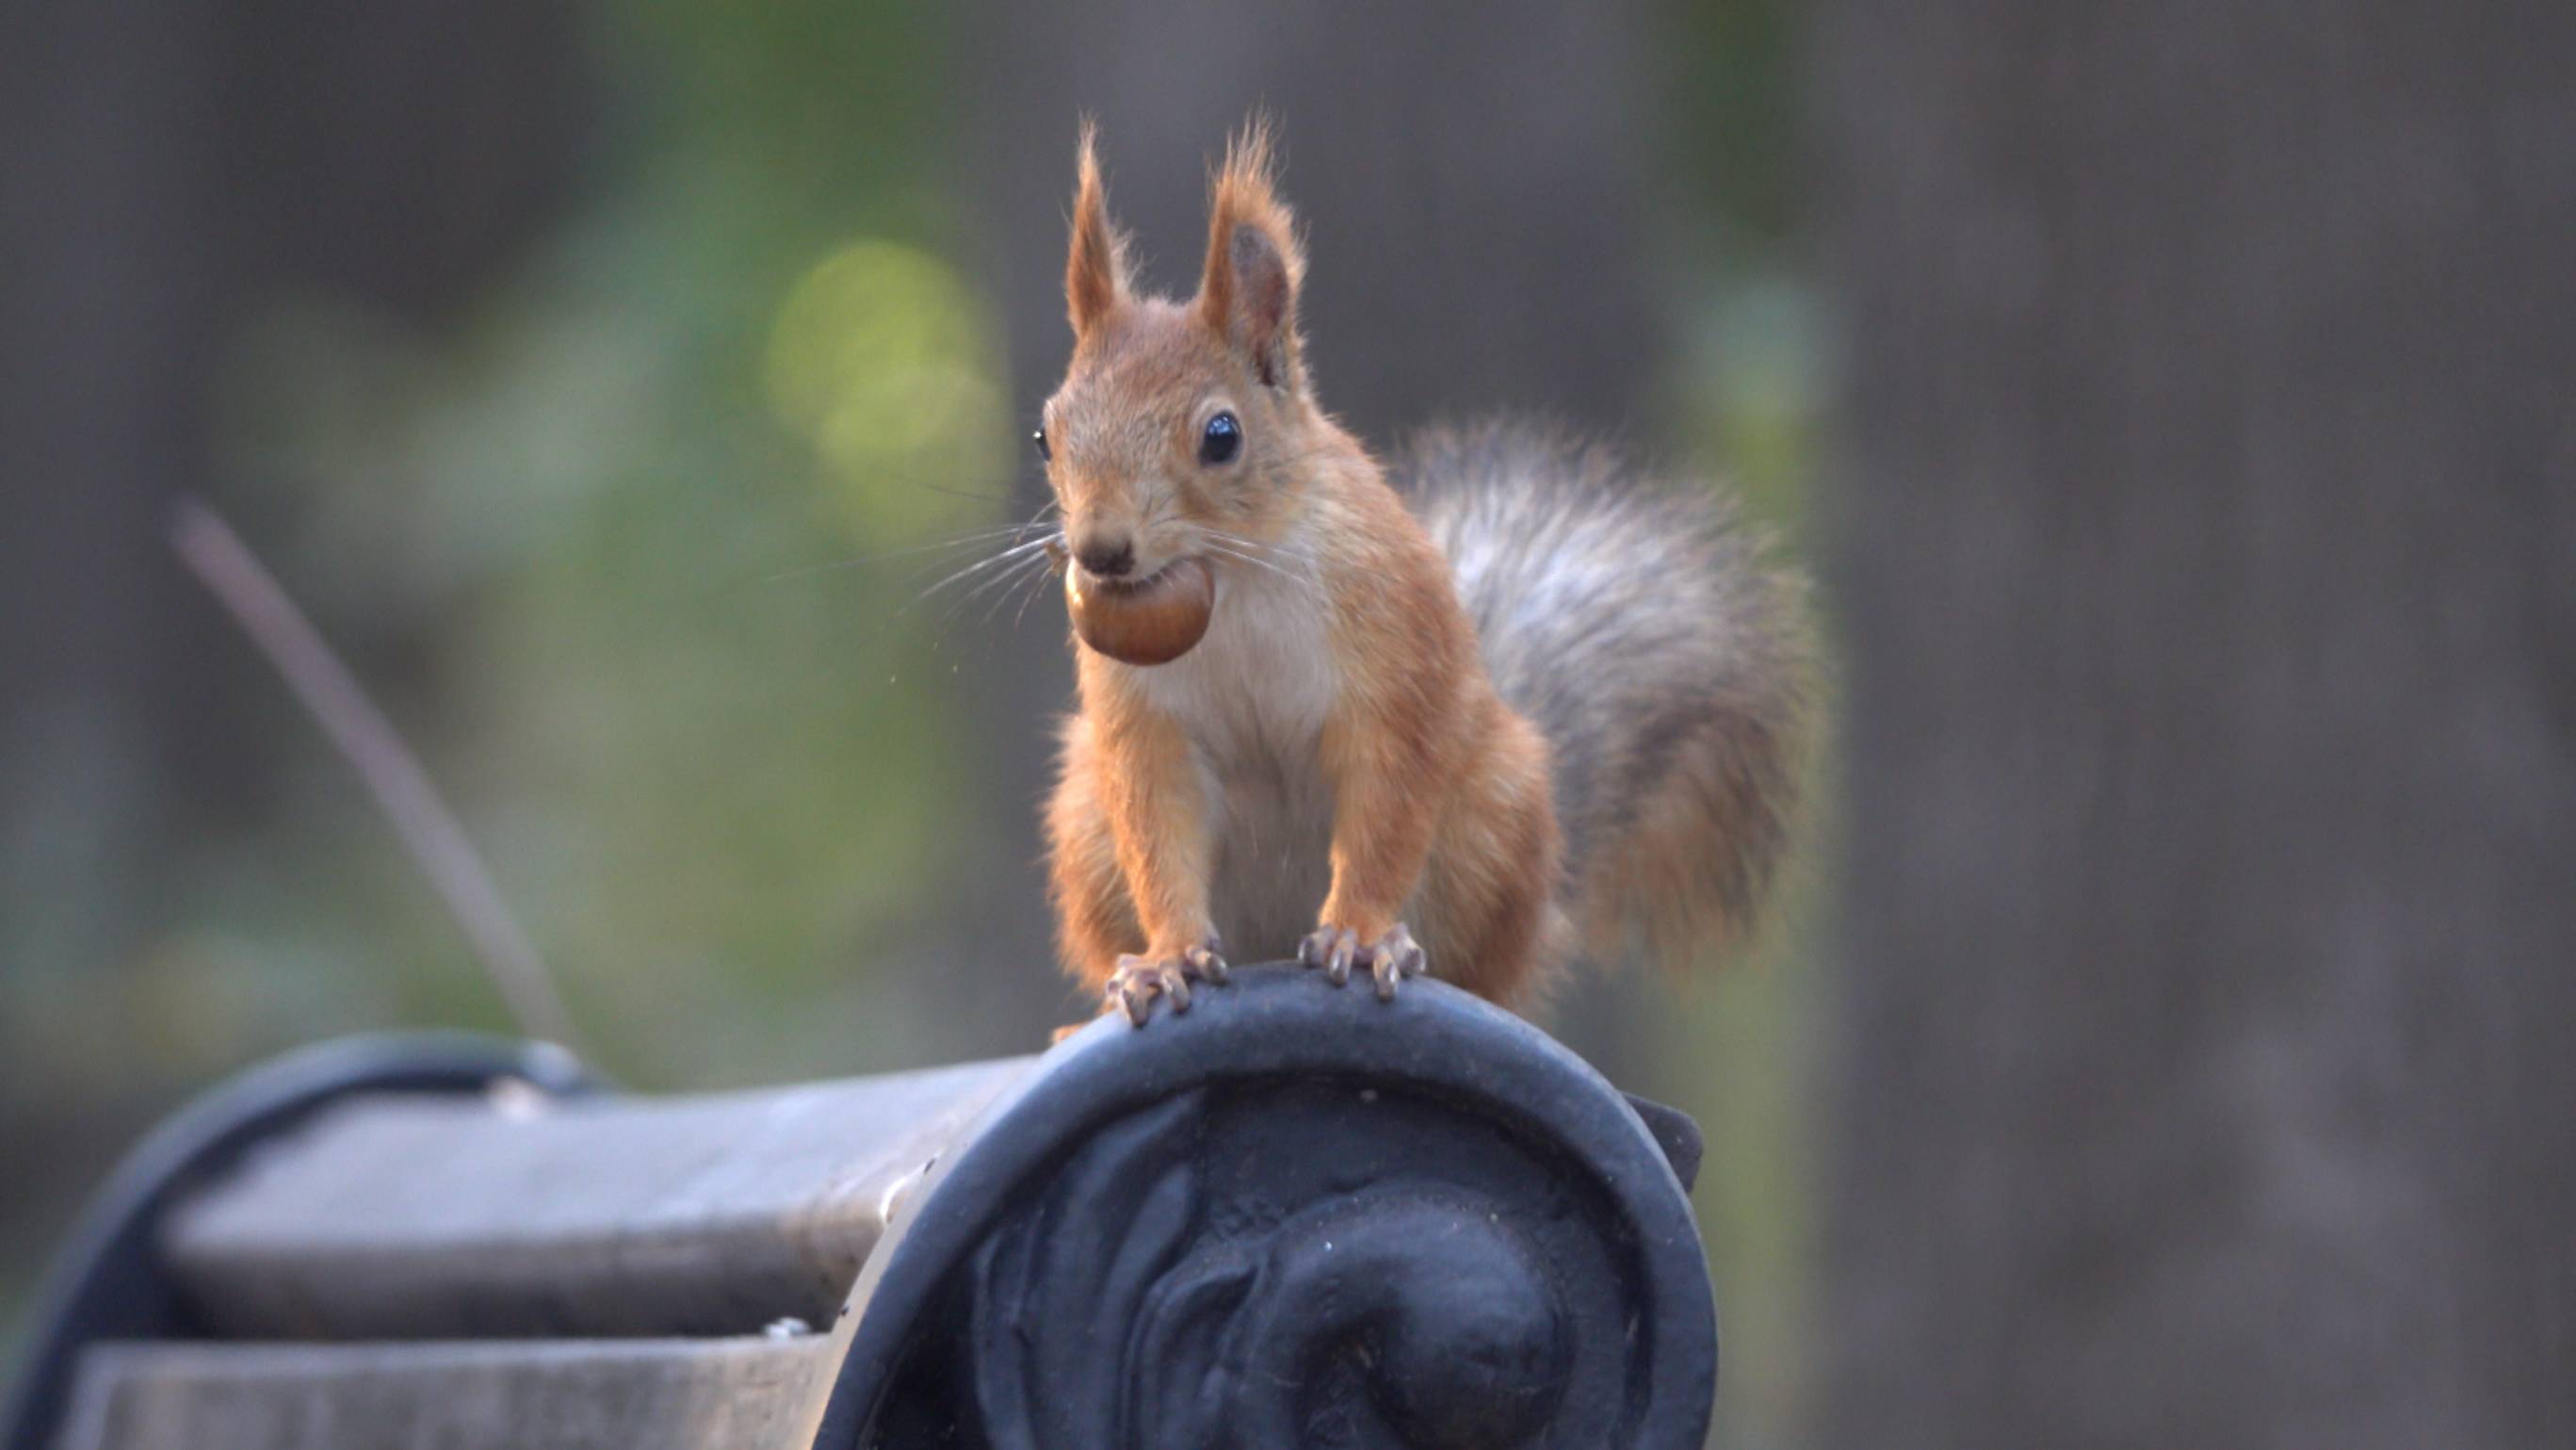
(1331, 769)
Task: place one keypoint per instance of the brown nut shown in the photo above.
(1151, 622)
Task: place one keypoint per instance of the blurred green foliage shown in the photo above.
(652, 506)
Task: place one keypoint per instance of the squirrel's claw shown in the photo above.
(1332, 948)
(1140, 979)
(1394, 957)
(1202, 961)
(1389, 959)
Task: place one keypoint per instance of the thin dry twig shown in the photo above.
(369, 742)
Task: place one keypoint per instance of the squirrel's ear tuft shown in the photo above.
(1095, 270)
(1249, 292)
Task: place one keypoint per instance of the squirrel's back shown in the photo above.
(1666, 659)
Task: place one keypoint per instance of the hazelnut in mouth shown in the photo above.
(1148, 621)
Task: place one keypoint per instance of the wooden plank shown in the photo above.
(400, 1217)
(637, 1394)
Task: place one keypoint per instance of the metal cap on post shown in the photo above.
(1425, 1222)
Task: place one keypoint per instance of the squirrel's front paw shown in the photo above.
(1140, 979)
(1390, 959)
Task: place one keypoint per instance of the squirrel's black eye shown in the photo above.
(1222, 440)
(1044, 452)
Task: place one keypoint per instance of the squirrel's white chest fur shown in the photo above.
(1253, 697)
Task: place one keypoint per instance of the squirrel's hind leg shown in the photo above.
(1488, 910)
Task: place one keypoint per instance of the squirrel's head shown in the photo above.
(1181, 423)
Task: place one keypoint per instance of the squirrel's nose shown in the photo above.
(1104, 558)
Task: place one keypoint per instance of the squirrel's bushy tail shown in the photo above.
(1668, 662)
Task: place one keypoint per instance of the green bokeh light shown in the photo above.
(883, 359)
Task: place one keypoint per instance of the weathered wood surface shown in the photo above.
(638, 1394)
(528, 1217)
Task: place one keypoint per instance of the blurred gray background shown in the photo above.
(2160, 1045)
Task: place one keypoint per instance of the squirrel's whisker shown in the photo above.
(1001, 585)
(1233, 547)
(992, 561)
(950, 546)
(1021, 576)
(1037, 587)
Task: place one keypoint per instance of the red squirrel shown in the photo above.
(1541, 709)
